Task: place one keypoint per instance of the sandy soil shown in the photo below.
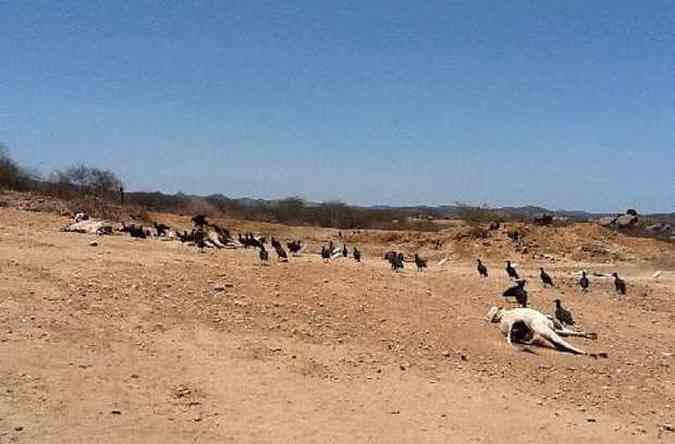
(143, 341)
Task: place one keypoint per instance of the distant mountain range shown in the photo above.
(528, 211)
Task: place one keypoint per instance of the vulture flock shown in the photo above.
(205, 234)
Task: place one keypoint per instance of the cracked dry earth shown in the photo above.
(147, 341)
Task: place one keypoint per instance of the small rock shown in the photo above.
(591, 420)
(18, 428)
(219, 288)
(93, 244)
(116, 412)
(395, 412)
(402, 367)
(668, 427)
(446, 354)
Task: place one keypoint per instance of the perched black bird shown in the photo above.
(275, 243)
(199, 220)
(619, 284)
(263, 255)
(357, 255)
(584, 282)
(344, 250)
(281, 252)
(513, 274)
(397, 263)
(200, 239)
(161, 229)
(518, 292)
(421, 263)
(482, 269)
(325, 253)
(294, 247)
(134, 231)
(390, 256)
(183, 237)
(562, 315)
(396, 260)
(545, 278)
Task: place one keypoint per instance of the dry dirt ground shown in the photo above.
(144, 341)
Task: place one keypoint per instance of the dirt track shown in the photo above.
(151, 341)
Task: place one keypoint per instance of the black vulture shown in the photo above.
(200, 241)
(513, 274)
(584, 282)
(390, 256)
(545, 278)
(199, 220)
(345, 253)
(421, 263)
(398, 262)
(263, 255)
(395, 259)
(325, 253)
(357, 255)
(482, 269)
(136, 232)
(161, 229)
(275, 243)
(518, 292)
(619, 284)
(562, 315)
(281, 252)
(294, 247)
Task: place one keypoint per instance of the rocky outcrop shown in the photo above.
(620, 221)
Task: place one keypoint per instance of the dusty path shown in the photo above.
(150, 341)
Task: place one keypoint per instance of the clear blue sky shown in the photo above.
(568, 104)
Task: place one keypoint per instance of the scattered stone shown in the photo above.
(18, 428)
(116, 412)
(589, 419)
(446, 354)
(93, 244)
(668, 427)
(395, 412)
